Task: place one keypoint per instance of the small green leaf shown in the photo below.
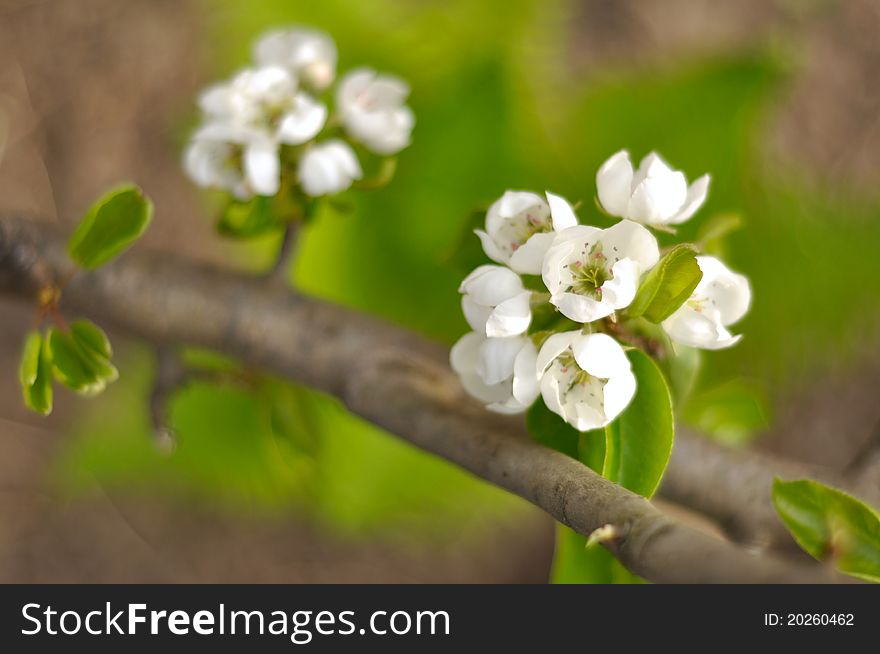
(550, 430)
(639, 442)
(255, 217)
(110, 226)
(88, 335)
(81, 370)
(35, 374)
(667, 285)
(30, 358)
(831, 525)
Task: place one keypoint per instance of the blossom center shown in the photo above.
(588, 275)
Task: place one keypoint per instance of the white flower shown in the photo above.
(495, 302)
(585, 378)
(520, 227)
(216, 164)
(654, 194)
(328, 167)
(592, 272)
(309, 54)
(499, 372)
(720, 299)
(373, 111)
(248, 118)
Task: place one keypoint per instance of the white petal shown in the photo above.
(528, 259)
(491, 248)
(658, 198)
(555, 259)
(464, 354)
(509, 407)
(497, 356)
(511, 317)
(561, 212)
(620, 290)
(600, 355)
(476, 314)
(696, 196)
(513, 203)
(581, 308)
(262, 167)
(491, 285)
(698, 329)
(630, 240)
(614, 183)
(618, 392)
(525, 378)
(555, 345)
(550, 394)
(588, 417)
(304, 122)
(483, 392)
(727, 291)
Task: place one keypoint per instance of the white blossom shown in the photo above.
(720, 299)
(500, 372)
(328, 167)
(520, 227)
(585, 378)
(216, 163)
(495, 303)
(309, 54)
(253, 114)
(654, 194)
(373, 112)
(592, 272)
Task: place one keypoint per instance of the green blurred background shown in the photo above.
(524, 95)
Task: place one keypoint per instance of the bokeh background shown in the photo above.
(778, 99)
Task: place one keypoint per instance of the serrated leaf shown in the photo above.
(248, 219)
(831, 525)
(639, 442)
(667, 285)
(110, 226)
(35, 374)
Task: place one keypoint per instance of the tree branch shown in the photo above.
(394, 379)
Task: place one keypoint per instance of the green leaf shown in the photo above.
(831, 526)
(110, 226)
(77, 366)
(667, 285)
(575, 563)
(733, 412)
(35, 374)
(91, 337)
(639, 442)
(30, 358)
(248, 219)
(550, 430)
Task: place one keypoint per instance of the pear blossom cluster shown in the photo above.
(270, 123)
(576, 282)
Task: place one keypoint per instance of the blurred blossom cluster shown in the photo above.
(553, 316)
(269, 126)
